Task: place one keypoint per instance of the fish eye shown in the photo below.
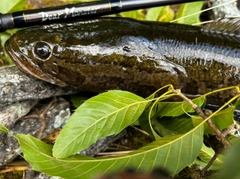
(42, 50)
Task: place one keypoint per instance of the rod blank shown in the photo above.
(77, 11)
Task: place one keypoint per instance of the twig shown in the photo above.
(198, 110)
(203, 172)
(219, 135)
(41, 116)
(232, 129)
(140, 130)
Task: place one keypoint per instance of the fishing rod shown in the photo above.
(74, 11)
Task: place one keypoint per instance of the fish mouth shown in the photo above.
(18, 57)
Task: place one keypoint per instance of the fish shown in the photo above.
(139, 56)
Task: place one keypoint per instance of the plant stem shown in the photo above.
(209, 164)
(198, 110)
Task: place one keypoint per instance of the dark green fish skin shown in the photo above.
(116, 53)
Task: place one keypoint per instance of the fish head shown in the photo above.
(42, 51)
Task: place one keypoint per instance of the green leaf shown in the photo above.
(188, 9)
(222, 120)
(231, 164)
(167, 14)
(237, 104)
(233, 138)
(163, 14)
(133, 14)
(169, 125)
(173, 109)
(144, 121)
(103, 115)
(4, 129)
(206, 154)
(172, 152)
(175, 125)
(11, 6)
(153, 13)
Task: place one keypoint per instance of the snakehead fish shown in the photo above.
(139, 56)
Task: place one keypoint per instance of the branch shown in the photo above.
(199, 111)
